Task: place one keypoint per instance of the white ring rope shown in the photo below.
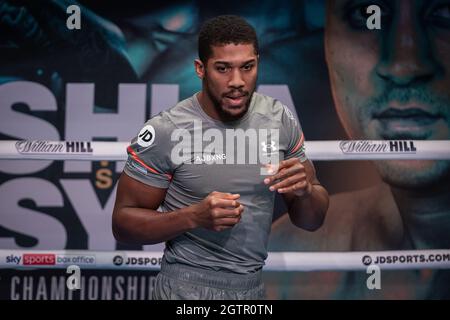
(276, 261)
(316, 150)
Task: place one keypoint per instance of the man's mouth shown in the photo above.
(235, 100)
(409, 123)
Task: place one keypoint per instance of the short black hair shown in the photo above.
(223, 30)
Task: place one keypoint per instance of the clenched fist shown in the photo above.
(218, 211)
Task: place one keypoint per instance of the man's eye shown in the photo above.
(248, 67)
(442, 12)
(441, 16)
(221, 69)
(357, 15)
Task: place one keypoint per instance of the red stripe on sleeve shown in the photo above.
(137, 159)
(299, 144)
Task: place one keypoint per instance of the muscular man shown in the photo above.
(391, 84)
(202, 175)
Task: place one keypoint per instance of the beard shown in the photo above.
(408, 174)
(229, 112)
(415, 174)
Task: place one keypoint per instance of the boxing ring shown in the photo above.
(277, 261)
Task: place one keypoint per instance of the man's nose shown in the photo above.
(406, 56)
(236, 79)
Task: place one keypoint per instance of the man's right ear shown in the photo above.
(199, 68)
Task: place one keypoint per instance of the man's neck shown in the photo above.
(426, 216)
(207, 104)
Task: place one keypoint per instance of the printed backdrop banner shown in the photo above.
(127, 62)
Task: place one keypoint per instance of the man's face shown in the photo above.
(229, 78)
(393, 83)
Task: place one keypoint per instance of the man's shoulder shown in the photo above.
(355, 205)
(268, 107)
(275, 111)
(369, 217)
(178, 116)
(362, 200)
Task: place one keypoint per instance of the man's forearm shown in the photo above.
(145, 226)
(308, 212)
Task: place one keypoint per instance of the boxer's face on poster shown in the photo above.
(230, 78)
(393, 83)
